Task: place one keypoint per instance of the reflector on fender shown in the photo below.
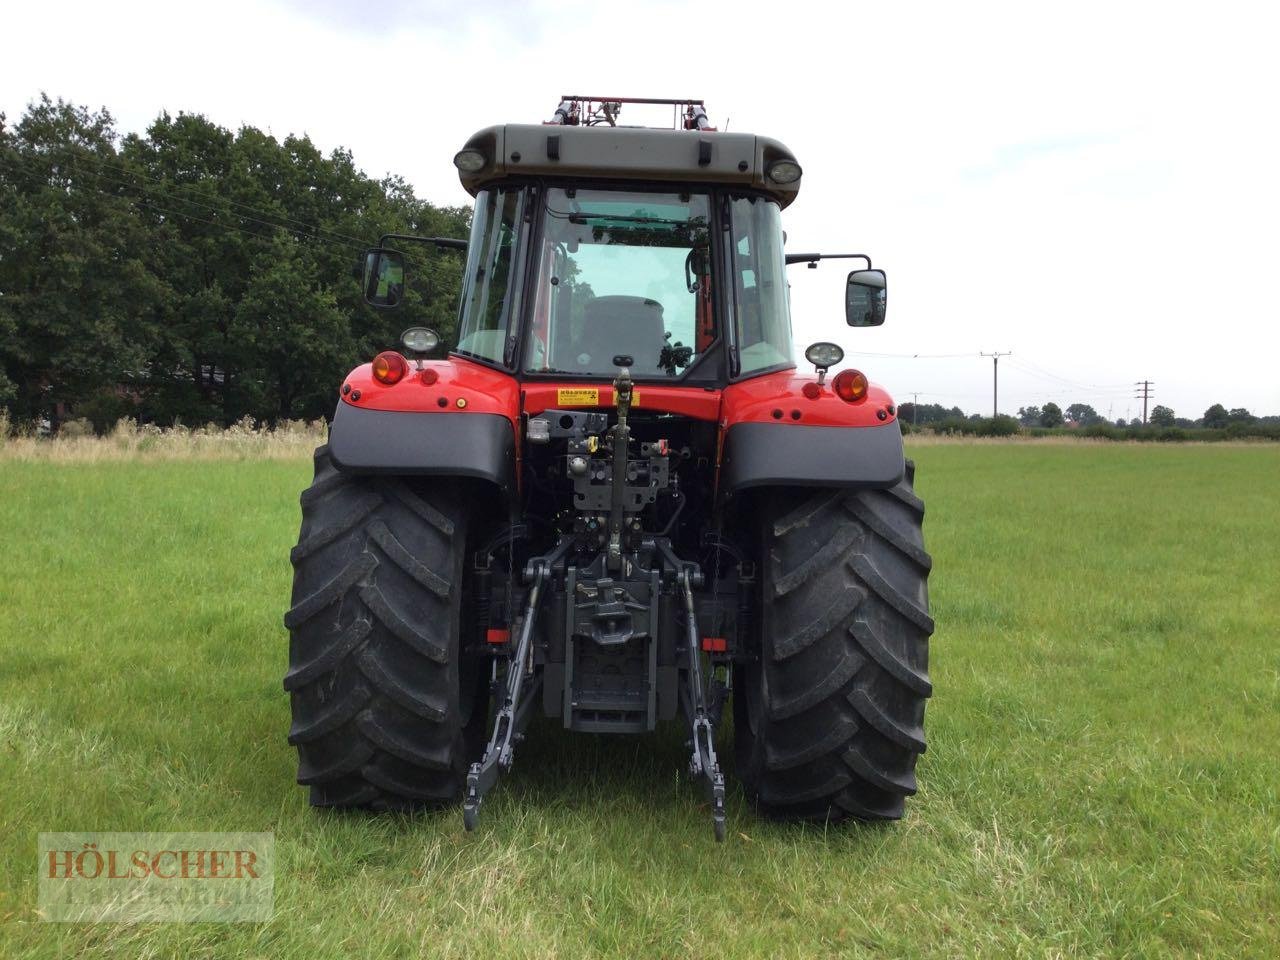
(389, 367)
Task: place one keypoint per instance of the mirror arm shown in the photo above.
(448, 243)
(812, 258)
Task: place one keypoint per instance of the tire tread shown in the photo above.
(841, 693)
(373, 662)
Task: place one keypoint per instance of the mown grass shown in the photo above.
(1101, 779)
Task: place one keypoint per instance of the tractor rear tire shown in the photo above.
(829, 720)
(387, 709)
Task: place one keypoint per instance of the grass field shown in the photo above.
(1102, 775)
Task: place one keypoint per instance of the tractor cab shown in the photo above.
(614, 270)
(592, 241)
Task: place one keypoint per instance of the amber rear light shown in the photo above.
(389, 367)
(850, 385)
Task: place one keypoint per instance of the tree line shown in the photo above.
(1217, 417)
(1163, 423)
(192, 273)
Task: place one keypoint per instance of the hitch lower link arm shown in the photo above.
(513, 712)
(703, 764)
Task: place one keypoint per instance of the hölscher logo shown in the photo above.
(94, 877)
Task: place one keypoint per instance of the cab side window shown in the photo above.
(482, 328)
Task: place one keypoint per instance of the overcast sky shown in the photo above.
(1094, 187)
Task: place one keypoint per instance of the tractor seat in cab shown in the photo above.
(621, 325)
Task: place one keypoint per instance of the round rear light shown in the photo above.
(428, 376)
(389, 367)
(850, 386)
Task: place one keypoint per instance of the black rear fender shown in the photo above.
(476, 446)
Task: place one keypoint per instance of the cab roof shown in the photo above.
(628, 154)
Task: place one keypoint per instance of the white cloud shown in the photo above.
(1091, 185)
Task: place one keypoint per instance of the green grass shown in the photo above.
(1102, 774)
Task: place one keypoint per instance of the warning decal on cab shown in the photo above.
(577, 396)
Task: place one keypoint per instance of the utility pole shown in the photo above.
(915, 408)
(1143, 394)
(995, 379)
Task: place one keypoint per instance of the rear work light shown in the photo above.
(389, 367)
(783, 171)
(470, 160)
(850, 385)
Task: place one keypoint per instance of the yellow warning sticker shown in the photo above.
(577, 396)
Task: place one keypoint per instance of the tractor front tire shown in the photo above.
(829, 720)
(387, 707)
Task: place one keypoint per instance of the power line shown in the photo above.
(310, 232)
(146, 203)
(1021, 364)
(917, 356)
(1036, 368)
(1026, 366)
(174, 184)
(949, 394)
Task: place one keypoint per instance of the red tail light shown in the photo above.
(850, 385)
(389, 367)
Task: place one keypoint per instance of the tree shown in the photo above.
(1162, 416)
(1120, 421)
(292, 342)
(1001, 425)
(1029, 416)
(1216, 416)
(195, 273)
(79, 305)
(1051, 415)
(8, 326)
(1240, 415)
(927, 414)
(1083, 415)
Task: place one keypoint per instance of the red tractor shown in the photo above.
(617, 501)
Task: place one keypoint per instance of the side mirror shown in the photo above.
(383, 280)
(695, 268)
(864, 298)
